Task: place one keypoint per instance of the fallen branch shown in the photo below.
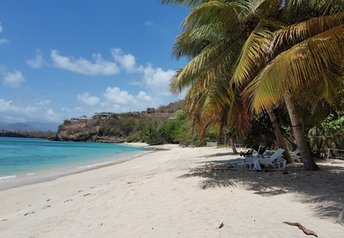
(301, 227)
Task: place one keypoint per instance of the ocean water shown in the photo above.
(26, 157)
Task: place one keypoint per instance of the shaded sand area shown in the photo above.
(180, 192)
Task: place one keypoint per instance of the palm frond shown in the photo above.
(294, 68)
(188, 3)
(213, 12)
(193, 41)
(253, 53)
(298, 32)
(209, 64)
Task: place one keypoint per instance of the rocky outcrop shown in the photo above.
(114, 127)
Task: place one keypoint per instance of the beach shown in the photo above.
(178, 192)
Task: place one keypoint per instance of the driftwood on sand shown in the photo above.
(301, 227)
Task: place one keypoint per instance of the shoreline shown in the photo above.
(175, 193)
(15, 181)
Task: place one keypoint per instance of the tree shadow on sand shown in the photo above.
(221, 154)
(323, 189)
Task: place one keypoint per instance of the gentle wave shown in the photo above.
(94, 165)
(8, 177)
(28, 157)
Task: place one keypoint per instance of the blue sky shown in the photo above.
(67, 58)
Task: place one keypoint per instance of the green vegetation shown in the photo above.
(249, 58)
(173, 130)
(166, 124)
(329, 133)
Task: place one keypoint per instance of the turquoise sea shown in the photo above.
(25, 158)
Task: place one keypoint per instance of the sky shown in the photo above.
(67, 58)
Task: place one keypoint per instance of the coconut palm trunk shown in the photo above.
(278, 134)
(307, 160)
(220, 132)
(233, 146)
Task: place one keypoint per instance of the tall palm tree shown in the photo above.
(309, 52)
(273, 34)
(214, 48)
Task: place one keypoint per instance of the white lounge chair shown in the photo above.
(295, 155)
(275, 160)
(236, 163)
(253, 162)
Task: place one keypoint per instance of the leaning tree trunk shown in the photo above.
(233, 146)
(307, 160)
(278, 134)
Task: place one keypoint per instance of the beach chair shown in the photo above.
(252, 162)
(236, 163)
(275, 160)
(295, 155)
(249, 160)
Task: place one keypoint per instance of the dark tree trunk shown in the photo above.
(220, 134)
(278, 134)
(307, 160)
(233, 146)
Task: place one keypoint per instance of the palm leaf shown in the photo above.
(294, 68)
(211, 62)
(253, 53)
(188, 3)
(193, 41)
(296, 33)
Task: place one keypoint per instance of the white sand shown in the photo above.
(150, 197)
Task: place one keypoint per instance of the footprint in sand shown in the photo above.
(46, 207)
(28, 213)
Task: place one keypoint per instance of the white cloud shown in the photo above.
(143, 96)
(157, 79)
(127, 61)
(154, 79)
(117, 96)
(4, 40)
(13, 79)
(88, 99)
(149, 23)
(66, 109)
(83, 66)
(30, 111)
(38, 61)
(5, 105)
(45, 102)
(51, 115)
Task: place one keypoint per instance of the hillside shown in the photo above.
(115, 127)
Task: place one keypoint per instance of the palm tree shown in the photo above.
(269, 34)
(214, 52)
(309, 52)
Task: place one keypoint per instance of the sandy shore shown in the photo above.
(180, 192)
